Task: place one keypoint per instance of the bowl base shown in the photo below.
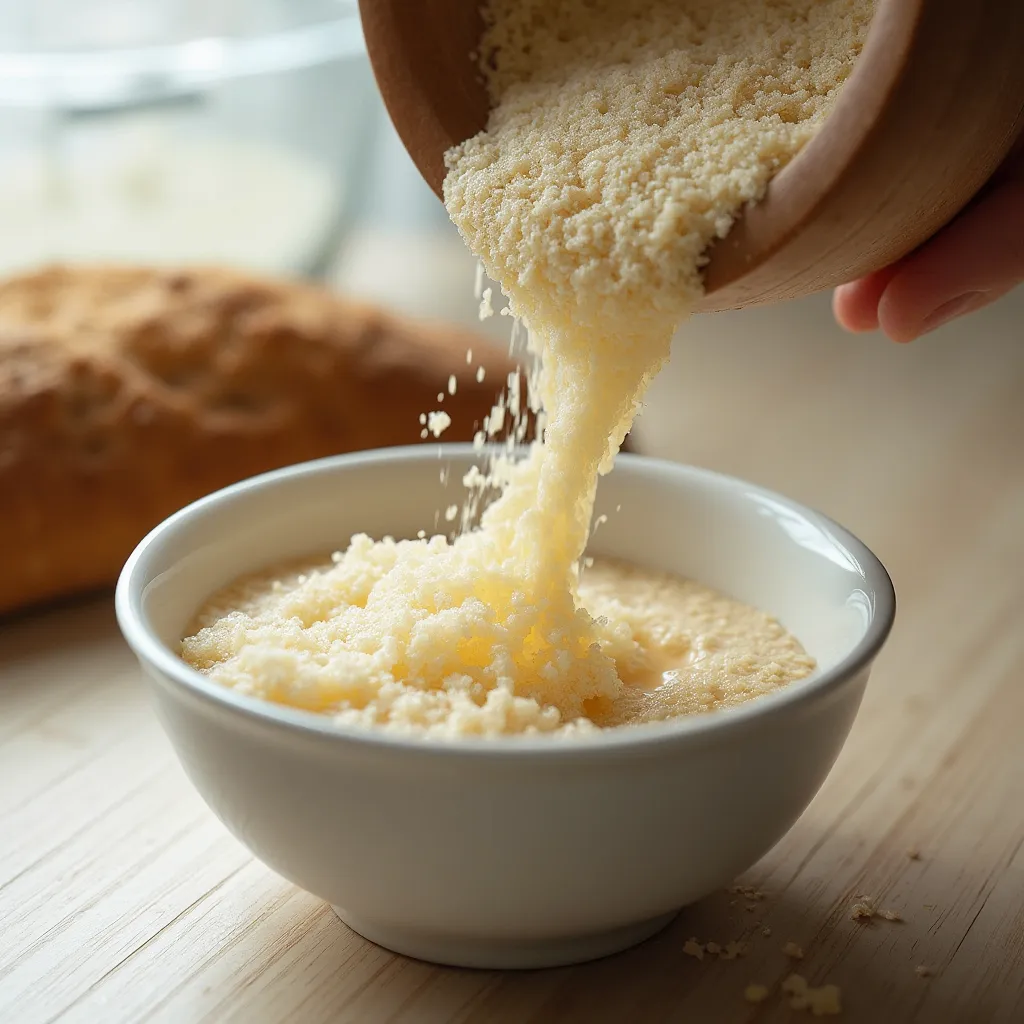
(505, 954)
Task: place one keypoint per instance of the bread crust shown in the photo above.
(127, 392)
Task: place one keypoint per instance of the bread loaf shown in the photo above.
(126, 393)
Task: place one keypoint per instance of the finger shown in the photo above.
(855, 305)
(974, 260)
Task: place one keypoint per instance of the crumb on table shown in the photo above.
(865, 910)
(755, 993)
(823, 1001)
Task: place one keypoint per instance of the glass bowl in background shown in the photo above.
(166, 131)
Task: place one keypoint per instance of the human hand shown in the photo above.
(971, 262)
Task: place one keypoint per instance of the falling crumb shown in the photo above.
(451, 512)
(792, 950)
(440, 396)
(693, 948)
(337, 557)
(486, 309)
(424, 433)
(766, 932)
(922, 971)
(732, 951)
(469, 356)
(421, 534)
(480, 374)
(452, 384)
(822, 1002)
(755, 993)
(423, 419)
(438, 422)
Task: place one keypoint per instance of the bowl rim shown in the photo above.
(150, 651)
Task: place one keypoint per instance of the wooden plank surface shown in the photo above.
(122, 899)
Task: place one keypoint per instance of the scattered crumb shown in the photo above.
(452, 384)
(755, 993)
(766, 932)
(792, 950)
(824, 1001)
(922, 971)
(743, 890)
(480, 374)
(450, 513)
(423, 419)
(863, 910)
(732, 950)
(424, 433)
(440, 396)
(914, 853)
(421, 534)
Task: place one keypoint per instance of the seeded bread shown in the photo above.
(126, 393)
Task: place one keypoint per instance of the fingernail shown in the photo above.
(952, 309)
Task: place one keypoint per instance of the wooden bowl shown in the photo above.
(933, 106)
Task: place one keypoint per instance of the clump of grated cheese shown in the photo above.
(624, 137)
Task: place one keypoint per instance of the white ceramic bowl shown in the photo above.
(519, 852)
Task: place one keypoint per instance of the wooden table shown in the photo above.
(122, 899)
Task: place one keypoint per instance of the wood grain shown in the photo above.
(122, 899)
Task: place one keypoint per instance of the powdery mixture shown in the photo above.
(624, 137)
(678, 647)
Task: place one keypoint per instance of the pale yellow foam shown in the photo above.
(310, 638)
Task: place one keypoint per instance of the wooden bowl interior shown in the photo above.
(932, 107)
